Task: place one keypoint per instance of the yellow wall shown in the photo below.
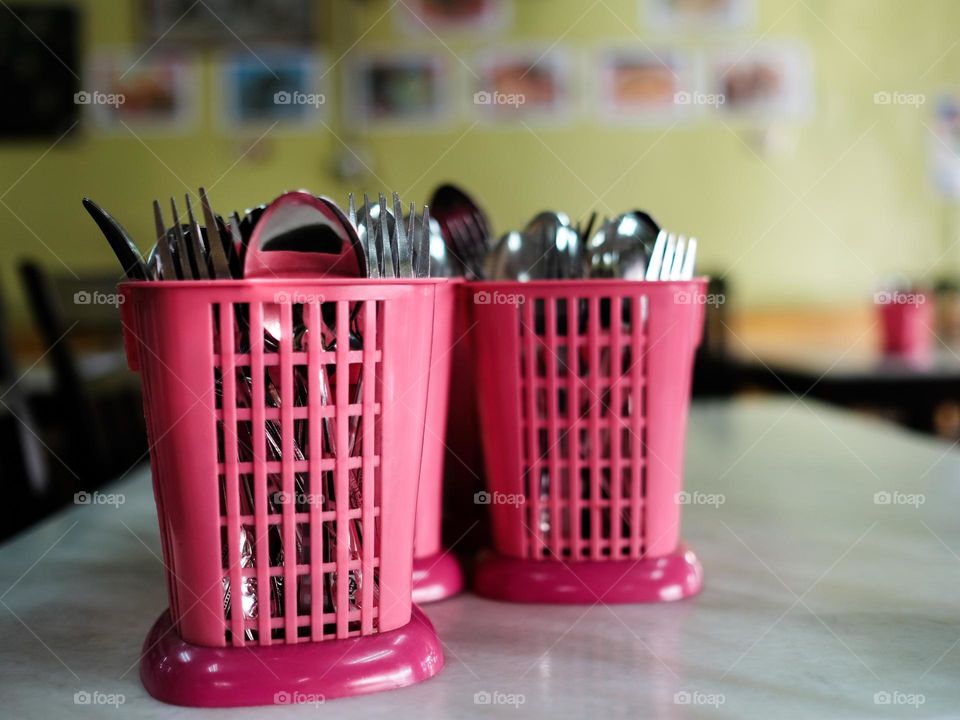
(871, 208)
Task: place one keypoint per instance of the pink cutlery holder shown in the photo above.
(463, 465)
(436, 573)
(584, 389)
(906, 327)
(260, 558)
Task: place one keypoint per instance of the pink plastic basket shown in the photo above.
(906, 324)
(436, 574)
(463, 462)
(223, 419)
(584, 389)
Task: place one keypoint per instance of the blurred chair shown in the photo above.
(92, 394)
(30, 487)
(715, 373)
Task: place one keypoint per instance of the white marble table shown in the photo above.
(817, 598)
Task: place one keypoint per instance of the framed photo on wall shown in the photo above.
(398, 89)
(529, 83)
(228, 22)
(282, 88)
(419, 17)
(646, 86)
(155, 93)
(769, 81)
(699, 15)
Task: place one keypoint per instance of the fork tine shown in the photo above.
(412, 239)
(187, 267)
(389, 262)
(167, 269)
(668, 256)
(588, 228)
(235, 233)
(352, 210)
(424, 270)
(690, 260)
(158, 223)
(656, 257)
(404, 254)
(373, 257)
(215, 241)
(196, 242)
(412, 235)
(237, 249)
(678, 257)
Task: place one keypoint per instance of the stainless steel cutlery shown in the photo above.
(295, 222)
(120, 241)
(631, 246)
(465, 229)
(673, 258)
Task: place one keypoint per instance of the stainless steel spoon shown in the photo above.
(622, 247)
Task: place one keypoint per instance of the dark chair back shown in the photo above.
(28, 485)
(96, 396)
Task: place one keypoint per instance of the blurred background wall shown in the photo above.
(814, 210)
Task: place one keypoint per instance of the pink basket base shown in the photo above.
(436, 577)
(660, 579)
(180, 673)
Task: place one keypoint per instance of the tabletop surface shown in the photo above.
(830, 546)
(857, 363)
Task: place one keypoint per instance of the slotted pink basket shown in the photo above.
(275, 545)
(436, 573)
(906, 322)
(584, 389)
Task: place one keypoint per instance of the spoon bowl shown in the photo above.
(622, 247)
